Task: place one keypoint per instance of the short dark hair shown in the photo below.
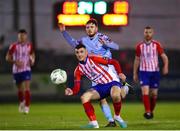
(93, 21)
(80, 45)
(22, 31)
(148, 27)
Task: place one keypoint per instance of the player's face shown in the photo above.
(81, 54)
(148, 34)
(22, 37)
(91, 29)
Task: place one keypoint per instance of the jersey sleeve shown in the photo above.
(70, 40)
(160, 49)
(108, 42)
(99, 59)
(12, 49)
(138, 50)
(77, 81)
(103, 61)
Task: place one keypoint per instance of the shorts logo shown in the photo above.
(93, 74)
(155, 85)
(141, 82)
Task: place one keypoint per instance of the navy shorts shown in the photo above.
(22, 76)
(149, 78)
(105, 89)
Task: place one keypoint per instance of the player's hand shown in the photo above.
(135, 78)
(165, 70)
(61, 27)
(122, 77)
(19, 64)
(68, 92)
(32, 60)
(101, 40)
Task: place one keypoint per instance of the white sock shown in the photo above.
(107, 112)
(94, 122)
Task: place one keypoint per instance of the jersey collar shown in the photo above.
(83, 62)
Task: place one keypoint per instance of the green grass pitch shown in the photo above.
(71, 116)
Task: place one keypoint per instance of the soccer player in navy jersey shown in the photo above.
(97, 44)
(146, 62)
(21, 55)
(106, 84)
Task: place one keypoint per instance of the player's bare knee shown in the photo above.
(153, 92)
(116, 97)
(85, 98)
(103, 102)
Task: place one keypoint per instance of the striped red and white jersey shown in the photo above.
(93, 70)
(148, 53)
(22, 53)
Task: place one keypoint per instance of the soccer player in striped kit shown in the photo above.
(106, 84)
(146, 62)
(96, 44)
(22, 56)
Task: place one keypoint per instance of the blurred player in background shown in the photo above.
(22, 56)
(106, 84)
(146, 62)
(96, 44)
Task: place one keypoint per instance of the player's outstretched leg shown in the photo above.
(89, 109)
(107, 112)
(116, 97)
(117, 118)
(91, 115)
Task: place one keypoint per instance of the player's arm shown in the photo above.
(118, 69)
(101, 60)
(108, 43)
(113, 62)
(32, 59)
(136, 64)
(135, 68)
(166, 63)
(32, 56)
(164, 59)
(9, 57)
(77, 79)
(112, 45)
(70, 40)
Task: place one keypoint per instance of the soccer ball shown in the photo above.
(58, 76)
